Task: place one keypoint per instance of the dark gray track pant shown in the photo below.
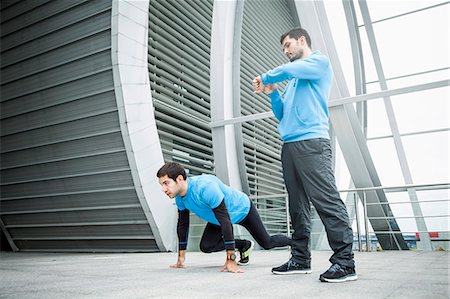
(309, 177)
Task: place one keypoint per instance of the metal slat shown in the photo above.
(102, 230)
(80, 217)
(106, 207)
(178, 107)
(30, 18)
(167, 29)
(14, 8)
(78, 129)
(70, 91)
(161, 42)
(65, 73)
(176, 93)
(182, 142)
(198, 128)
(195, 18)
(55, 23)
(179, 73)
(124, 196)
(71, 184)
(264, 135)
(204, 8)
(90, 246)
(69, 149)
(50, 42)
(175, 129)
(57, 58)
(180, 22)
(64, 176)
(58, 114)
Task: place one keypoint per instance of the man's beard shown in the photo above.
(297, 55)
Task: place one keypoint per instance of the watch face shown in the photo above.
(232, 257)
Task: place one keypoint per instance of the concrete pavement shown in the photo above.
(387, 274)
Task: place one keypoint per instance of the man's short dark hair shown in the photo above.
(297, 33)
(172, 170)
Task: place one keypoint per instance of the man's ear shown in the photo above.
(180, 178)
(302, 40)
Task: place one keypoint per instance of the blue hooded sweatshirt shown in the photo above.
(302, 107)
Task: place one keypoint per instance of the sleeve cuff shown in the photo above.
(182, 245)
(230, 245)
(264, 79)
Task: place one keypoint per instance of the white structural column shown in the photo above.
(137, 119)
(224, 46)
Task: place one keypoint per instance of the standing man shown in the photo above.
(219, 205)
(306, 155)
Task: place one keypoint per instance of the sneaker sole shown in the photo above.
(292, 272)
(344, 279)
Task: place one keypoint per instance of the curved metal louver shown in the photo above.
(66, 183)
(261, 141)
(179, 54)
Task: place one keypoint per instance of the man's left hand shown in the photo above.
(258, 86)
(231, 266)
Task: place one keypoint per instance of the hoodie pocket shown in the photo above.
(306, 114)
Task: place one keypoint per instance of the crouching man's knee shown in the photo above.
(205, 248)
(267, 246)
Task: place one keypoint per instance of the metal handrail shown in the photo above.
(401, 188)
(362, 191)
(404, 188)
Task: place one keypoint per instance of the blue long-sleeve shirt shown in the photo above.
(206, 192)
(302, 107)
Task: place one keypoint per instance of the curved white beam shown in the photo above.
(129, 42)
(224, 46)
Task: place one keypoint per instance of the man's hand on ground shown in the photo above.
(231, 266)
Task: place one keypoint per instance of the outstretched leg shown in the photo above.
(256, 228)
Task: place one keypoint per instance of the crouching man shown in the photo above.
(220, 206)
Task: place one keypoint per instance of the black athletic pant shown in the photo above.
(308, 176)
(212, 240)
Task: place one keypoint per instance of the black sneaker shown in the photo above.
(338, 273)
(245, 253)
(291, 267)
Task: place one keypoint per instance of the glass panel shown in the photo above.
(421, 111)
(369, 65)
(385, 9)
(432, 205)
(377, 120)
(398, 42)
(401, 207)
(384, 157)
(358, 13)
(428, 157)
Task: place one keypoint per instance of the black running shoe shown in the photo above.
(291, 267)
(245, 253)
(338, 273)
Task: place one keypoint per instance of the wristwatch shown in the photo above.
(231, 257)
